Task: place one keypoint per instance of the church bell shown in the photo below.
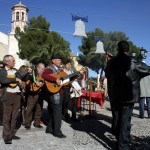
(80, 29)
(99, 48)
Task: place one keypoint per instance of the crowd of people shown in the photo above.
(23, 91)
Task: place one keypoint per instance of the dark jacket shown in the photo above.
(4, 81)
(123, 74)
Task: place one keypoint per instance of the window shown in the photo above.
(22, 16)
(17, 16)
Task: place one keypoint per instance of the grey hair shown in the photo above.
(6, 58)
(40, 64)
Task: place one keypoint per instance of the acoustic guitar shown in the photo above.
(13, 85)
(66, 79)
(33, 86)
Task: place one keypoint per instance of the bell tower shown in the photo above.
(19, 17)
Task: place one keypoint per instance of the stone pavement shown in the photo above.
(93, 133)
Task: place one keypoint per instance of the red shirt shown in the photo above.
(47, 76)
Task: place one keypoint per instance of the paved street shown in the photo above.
(93, 133)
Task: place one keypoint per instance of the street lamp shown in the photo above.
(134, 54)
(143, 53)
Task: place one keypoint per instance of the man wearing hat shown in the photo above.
(54, 99)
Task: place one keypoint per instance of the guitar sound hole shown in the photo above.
(55, 85)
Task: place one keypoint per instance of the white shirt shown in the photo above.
(12, 89)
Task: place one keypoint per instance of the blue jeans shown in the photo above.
(141, 105)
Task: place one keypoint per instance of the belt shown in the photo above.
(15, 93)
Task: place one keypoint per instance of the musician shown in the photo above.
(1, 105)
(34, 100)
(1, 109)
(66, 100)
(54, 99)
(72, 92)
(25, 73)
(10, 98)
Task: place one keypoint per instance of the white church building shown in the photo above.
(8, 43)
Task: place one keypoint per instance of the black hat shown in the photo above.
(56, 56)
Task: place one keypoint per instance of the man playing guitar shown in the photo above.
(34, 99)
(10, 98)
(54, 99)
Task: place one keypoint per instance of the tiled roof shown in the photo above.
(19, 5)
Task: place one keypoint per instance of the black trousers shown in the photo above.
(122, 119)
(55, 114)
(74, 107)
(65, 103)
(1, 113)
(114, 118)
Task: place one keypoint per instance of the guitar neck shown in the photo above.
(70, 75)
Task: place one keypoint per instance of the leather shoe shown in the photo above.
(75, 120)
(16, 137)
(60, 135)
(1, 124)
(8, 141)
(49, 131)
(37, 126)
(142, 117)
(27, 127)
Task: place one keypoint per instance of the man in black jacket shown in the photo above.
(123, 74)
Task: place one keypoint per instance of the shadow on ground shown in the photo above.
(140, 143)
(97, 126)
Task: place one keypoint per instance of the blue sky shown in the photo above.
(128, 16)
